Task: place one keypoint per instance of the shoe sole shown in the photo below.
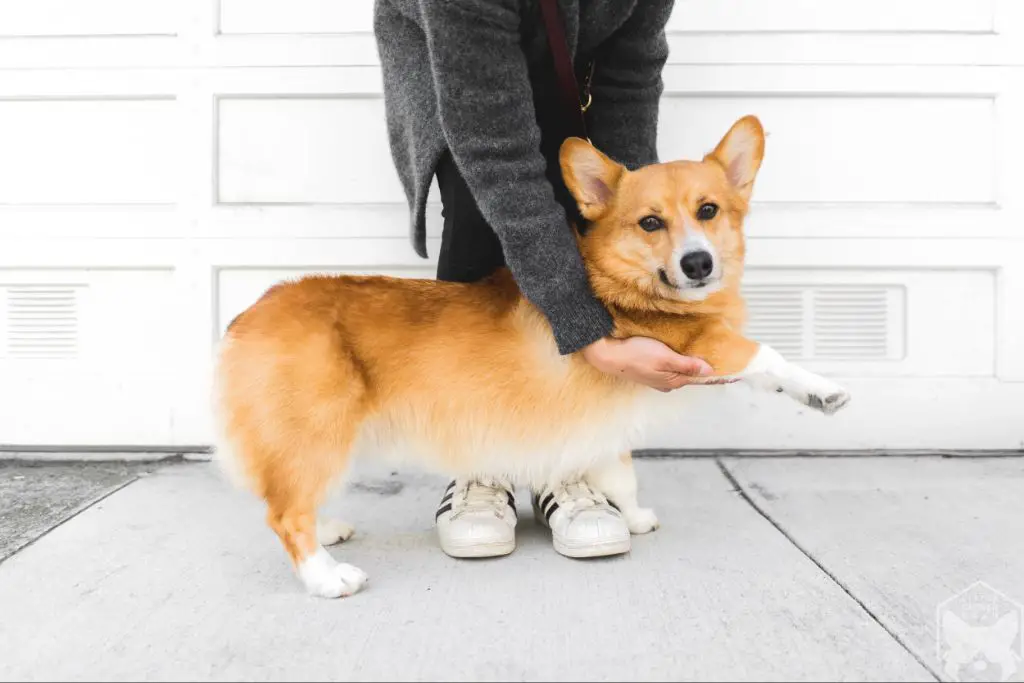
(604, 549)
(479, 550)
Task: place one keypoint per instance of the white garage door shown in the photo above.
(163, 161)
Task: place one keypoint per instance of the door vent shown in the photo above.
(41, 321)
(776, 316)
(827, 322)
(851, 323)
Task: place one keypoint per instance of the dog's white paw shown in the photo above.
(641, 520)
(829, 403)
(816, 392)
(768, 371)
(333, 531)
(825, 395)
(325, 578)
(339, 581)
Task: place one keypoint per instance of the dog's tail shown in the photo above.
(225, 455)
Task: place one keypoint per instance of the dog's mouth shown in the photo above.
(663, 276)
(699, 284)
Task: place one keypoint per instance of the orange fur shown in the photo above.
(471, 371)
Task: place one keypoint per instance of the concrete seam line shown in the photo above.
(74, 513)
(835, 579)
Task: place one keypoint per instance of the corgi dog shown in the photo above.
(466, 379)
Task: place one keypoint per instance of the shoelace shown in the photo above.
(576, 496)
(481, 495)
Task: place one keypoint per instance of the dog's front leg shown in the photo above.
(735, 357)
(769, 371)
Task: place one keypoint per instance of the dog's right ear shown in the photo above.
(590, 176)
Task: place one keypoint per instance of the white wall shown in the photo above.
(163, 161)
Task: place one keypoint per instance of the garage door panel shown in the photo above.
(870, 221)
(850, 149)
(27, 18)
(871, 322)
(317, 221)
(98, 151)
(305, 151)
(76, 221)
(833, 15)
(296, 16)
(90, 353)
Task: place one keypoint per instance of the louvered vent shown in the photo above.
(827, 322)
(851, 323)
(41, 321)
(776, 317)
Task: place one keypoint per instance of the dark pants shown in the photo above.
(470, 250)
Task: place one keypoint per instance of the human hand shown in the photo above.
(647, 361)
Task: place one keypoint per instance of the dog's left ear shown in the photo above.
(740, 153)
(590, 176)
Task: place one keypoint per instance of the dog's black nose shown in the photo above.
(697, 265)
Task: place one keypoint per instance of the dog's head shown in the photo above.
(667, 236)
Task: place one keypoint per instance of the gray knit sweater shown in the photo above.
(469, 76)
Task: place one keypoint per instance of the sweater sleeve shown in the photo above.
(485, 104)
(627, 86)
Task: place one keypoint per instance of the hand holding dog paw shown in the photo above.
(647, 361)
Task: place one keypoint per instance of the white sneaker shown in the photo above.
(477, 518)
(582, 521)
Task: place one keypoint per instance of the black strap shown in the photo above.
(576, 124)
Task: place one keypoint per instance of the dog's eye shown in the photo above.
(651, 223)
(707, 211)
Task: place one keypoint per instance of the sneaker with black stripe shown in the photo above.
(583, 522)
(477, 518)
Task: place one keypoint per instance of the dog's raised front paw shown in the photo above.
(641, 520)
(829, 403)
(814, 391)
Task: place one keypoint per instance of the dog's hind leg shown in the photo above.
(616, 479)
(292, 397)
(320, 573)
(295, 490)
(294, 435)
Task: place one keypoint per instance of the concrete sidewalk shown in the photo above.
(816, 569)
